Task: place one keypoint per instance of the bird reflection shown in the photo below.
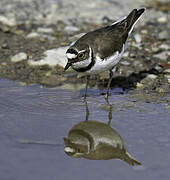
(96, 141)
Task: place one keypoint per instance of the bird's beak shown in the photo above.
(67, 66)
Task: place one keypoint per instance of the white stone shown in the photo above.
(19, 57)
(45, 30)
(139, 85)
(52, 57)
(7, 21)
(166, 71)
(162, 19)
(126, 63)
(164, 46)
(168, 77)
(152, 76)
(163, 35)
(144, 31)
(33, 35)
(162, 55)
(138, 38)
(71, 28)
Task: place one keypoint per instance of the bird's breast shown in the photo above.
(107, 63)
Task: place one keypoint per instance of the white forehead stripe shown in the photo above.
(71, 56)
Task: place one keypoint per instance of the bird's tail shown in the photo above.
(132, 18)
(130, 160)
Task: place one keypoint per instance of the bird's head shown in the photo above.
(79, 56)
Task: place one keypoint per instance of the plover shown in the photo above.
(102, 49)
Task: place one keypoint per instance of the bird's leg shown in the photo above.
(87, 110)
(110, 114)
(85, 100)
(87, 82)
(108, 85)
(109, 107)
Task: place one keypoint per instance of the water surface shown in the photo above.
(34, 120)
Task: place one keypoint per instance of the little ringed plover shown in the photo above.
(102, 49)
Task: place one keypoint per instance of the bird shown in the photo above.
(101, 49)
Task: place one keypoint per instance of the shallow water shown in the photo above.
(34, 120)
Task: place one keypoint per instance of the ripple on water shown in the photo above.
(15, 98)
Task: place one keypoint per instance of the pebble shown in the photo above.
(167, 106)
(139, 85)
(126, 63)
(162, 55)
(144, 31)
(168, 53)
(46, 36)
(137, 38)
(137, 63)
(33, 35)
(164, 46)
(7, 21)
(5, 29)
(168, 77)
(19, 32)
(148, 81)
(134, 44)
(162, 19)
(19, 57)
(155, 49)
(42, 37)
(163, 35)
(166, 71)
(5, 46)
(151, 76)
(126, 54)
(52, 57)
(71, 28)
(45, 30)
(158, 68)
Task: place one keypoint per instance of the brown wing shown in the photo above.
(112, 41)
(112, 38)
(107, 40)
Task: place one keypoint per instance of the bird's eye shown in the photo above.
(81, 55)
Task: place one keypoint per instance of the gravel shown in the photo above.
(34, 36)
